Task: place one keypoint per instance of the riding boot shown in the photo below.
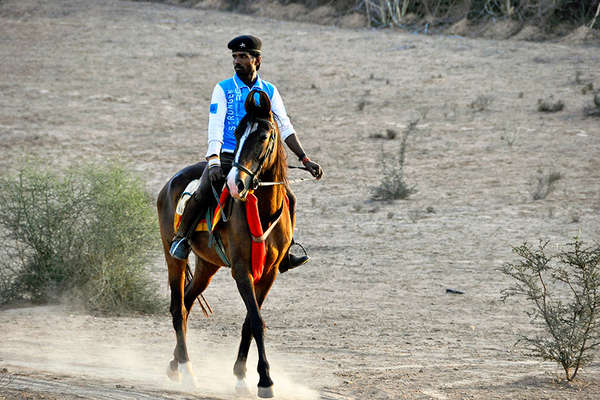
(192, 214)
(291, 261)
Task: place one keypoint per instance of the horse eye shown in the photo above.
(263, 136)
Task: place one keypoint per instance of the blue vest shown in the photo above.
(236, 92)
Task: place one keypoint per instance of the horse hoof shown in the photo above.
(265, 392)
(187, 375)
(173, 373)
(241, 389)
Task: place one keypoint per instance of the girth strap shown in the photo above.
(276, 218)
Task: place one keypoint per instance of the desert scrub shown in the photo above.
(544, 183)
(84, 233)
(563, 290)
(544, 13)
(393, 185)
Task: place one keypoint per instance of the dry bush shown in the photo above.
(481, 103)
(564, 291)
(593, 110)
(543, 13)
(393, 185)
(549, 105)
(431, 14)
(84, 233)
(434, 13)
(544, 184)
(5, 377)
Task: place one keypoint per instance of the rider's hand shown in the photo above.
(215, 173)
(312, 167)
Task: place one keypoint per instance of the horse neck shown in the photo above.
(271, 197)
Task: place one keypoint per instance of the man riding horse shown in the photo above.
(226, 111)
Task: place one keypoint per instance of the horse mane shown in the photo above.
(280, 166)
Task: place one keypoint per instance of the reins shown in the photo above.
(260, 183)
(289, 181)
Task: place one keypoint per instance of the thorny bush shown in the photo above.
(564, 292)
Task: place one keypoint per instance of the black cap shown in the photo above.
(248, 43)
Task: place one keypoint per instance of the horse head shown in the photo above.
(256, 139)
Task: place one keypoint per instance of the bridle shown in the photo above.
(254, 181)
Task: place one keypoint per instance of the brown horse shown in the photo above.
(259, 157)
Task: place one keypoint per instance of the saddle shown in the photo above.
(213, 215)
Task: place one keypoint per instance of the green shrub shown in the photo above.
(564, 290)
(83, 233)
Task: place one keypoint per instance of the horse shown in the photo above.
(259, 157)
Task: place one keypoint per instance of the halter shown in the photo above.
(255, 182)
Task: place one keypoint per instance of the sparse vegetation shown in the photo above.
(393, 185)
(564, 291)
(593, 110)
(540, 12)
(417, 214)
(550, 105)
(481, 103)
(390, 134)
(5, 377)
(545, 182)
(82, 233)
(414, 215)
(587, 88)
(428, 15)
(510, 135)
(450, 111)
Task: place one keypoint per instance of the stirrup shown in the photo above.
(180, 248)
(292, 261)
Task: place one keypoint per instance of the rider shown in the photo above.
(226, 111)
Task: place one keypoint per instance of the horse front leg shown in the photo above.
(180, 367)
(253, 327)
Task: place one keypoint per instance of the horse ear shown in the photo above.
(258, 104)
(265, 104)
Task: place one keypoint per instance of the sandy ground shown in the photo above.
(369, 317)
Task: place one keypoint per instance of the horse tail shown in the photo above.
(206, 309)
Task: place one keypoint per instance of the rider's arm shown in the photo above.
(293, 143)
(283, 121)
(216, 122)
(288, 134)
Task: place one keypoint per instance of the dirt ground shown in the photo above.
(369, 316)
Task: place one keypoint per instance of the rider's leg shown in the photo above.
(195, 210)
(290, 260)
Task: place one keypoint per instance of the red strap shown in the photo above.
(223, 197)
(259, 252)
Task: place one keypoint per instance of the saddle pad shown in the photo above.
(190, 189)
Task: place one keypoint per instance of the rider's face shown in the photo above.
(244, 63)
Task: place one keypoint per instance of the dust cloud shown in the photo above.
(134, 354)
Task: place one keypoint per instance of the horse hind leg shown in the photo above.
(180, 367)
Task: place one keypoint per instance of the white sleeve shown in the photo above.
(216, 121)
(283, 121)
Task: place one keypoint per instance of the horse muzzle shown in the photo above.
(238, 187)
